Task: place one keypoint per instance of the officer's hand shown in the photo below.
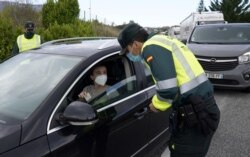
(152, 108)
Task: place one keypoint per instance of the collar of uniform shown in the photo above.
(152, 34)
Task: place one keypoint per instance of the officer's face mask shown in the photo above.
(133, 58)
(29, 34)
(101, 80)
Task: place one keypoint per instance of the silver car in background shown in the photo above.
(224, 52)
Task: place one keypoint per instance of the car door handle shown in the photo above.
(141, 113)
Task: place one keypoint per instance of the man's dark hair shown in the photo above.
(141, 36)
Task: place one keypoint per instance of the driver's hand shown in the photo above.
(84, 95)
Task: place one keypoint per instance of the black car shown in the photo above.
(40, 114)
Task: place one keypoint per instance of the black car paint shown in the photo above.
(129, 121)
(9, 136)
(36, 147)
(39, 119)
(124, 135)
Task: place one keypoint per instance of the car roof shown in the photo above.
(84, 47)
(224, 24)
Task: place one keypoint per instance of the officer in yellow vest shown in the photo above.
(181, 84)
(28, 40)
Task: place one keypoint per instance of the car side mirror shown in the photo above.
(79, 113)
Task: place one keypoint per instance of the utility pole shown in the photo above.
(84, 15)
(90, 10)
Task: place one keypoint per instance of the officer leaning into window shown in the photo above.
(28, 40)
(181, 84)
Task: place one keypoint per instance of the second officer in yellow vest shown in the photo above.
(181, 84)
(28, 40)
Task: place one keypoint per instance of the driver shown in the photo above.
(99, 78)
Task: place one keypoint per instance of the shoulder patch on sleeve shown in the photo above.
(149, 58)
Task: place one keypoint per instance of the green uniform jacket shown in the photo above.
(161, 63)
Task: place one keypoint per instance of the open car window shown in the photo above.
(116, 92)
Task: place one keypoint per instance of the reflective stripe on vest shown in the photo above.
(164, 100)
(165, 84)
(27, 44)
(189, 72)
(193, 83)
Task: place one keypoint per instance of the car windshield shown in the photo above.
(226, 34)
(26, 80)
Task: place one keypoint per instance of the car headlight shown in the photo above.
(245, 58)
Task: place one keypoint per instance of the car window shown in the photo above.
(27, 79)
(149, 78)
(115, 92)
(121, 83)
(226, 34)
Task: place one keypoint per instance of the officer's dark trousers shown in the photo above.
(191, 142)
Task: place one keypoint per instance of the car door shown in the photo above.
(122, 112)
(159, 122)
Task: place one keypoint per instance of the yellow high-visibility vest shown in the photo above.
(189, 73)
(25, 44)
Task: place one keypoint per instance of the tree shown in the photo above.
(48, 13)
(68, 11)
(8, 35)
(233, 10)
(201, 7)
(215, 5)
(19, 13)
(61, 12)
(131, 21)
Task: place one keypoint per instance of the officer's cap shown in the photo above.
(127, 36)
(29, 25)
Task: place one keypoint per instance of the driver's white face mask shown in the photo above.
(101, 80)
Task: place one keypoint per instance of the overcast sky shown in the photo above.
(153, 13)
(148, 13)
